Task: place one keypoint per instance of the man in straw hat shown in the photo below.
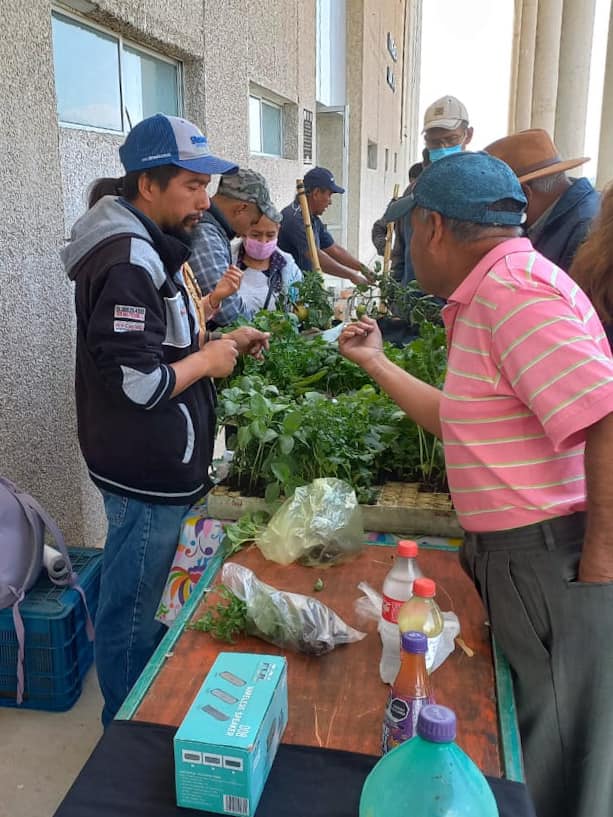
(145, 400)
(560, 209)
(526, 420)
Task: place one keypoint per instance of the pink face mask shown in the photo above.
(260, 250)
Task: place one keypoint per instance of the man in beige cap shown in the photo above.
(560, 208)
(446, 128)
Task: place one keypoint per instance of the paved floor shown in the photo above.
(41, 753)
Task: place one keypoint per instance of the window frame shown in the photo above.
(68, 14)
(265, 100)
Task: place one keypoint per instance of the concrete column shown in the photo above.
(546, 64)
(605, 151)
(410, 125)
(574, 76)
(520, 111)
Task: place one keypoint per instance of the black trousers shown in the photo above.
(557, 634)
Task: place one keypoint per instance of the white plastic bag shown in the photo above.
(368, 607)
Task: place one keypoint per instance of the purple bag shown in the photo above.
(22, 538)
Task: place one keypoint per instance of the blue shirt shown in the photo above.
(292, 235)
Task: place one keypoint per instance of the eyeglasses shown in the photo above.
(445, 141)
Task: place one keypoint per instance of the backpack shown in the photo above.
(22, 540)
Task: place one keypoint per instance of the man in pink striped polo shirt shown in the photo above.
(526, 420)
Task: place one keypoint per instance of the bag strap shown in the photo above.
(31, 506)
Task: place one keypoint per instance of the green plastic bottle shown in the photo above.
(428, 776)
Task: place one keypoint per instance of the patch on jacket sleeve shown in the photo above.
(132, 313)
(128, 326)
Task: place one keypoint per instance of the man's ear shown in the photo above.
(146, 186)
(435, 228)
(527, 192)
(469, 136)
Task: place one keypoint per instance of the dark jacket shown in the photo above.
(568, 223)
(133, 321)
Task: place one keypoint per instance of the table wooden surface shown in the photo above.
(337, 700)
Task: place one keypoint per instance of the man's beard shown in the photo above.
(179, 231)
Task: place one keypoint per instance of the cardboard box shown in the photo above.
(226, 744)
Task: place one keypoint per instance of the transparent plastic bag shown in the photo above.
(289, 620)
(368, 608)
(320, 525)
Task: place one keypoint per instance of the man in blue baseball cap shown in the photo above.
(526, 420)
(144, 394)
(319, 185)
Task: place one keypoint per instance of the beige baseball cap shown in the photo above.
(447, 112)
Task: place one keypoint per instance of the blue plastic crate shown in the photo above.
(57, 650)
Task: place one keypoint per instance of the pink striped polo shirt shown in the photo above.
(529, 368)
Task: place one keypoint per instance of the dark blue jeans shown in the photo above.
(140, 545)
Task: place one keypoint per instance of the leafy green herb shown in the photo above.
(312, 296)
(244, 530)
(226, 620)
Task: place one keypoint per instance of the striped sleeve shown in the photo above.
(553, 357)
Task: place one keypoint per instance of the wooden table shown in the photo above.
(337, 700)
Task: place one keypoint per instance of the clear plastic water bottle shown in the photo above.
(410, 692)
(422, 613)
(428, 776)
(397, 588)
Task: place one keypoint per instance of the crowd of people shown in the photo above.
(505, 238)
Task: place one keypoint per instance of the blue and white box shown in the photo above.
(226, 744)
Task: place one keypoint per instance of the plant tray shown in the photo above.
(400, 508)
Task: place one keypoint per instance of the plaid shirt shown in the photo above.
(211, 256)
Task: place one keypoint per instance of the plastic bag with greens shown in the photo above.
(319, 525)
(289, 620)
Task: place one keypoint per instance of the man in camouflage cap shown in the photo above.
(241, 199)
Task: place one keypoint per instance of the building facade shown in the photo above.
(277, 85)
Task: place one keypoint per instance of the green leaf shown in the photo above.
(244, 436)
(269, 435)
(292, 422)
(281, 470)
(286, 443)
(272, 493)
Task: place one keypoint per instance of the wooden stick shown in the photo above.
(308, 226)
(195, 293)
(389, 235)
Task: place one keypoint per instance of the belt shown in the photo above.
(546, 535)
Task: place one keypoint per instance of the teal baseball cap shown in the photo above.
(464, 186)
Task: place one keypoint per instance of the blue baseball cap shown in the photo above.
(170, 140)
(463, 186)
(323, 178)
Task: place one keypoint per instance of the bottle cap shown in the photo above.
(407, 548)
(436, 724)
(415, 642)
(426, 588)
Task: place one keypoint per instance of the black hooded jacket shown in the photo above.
(134, 318)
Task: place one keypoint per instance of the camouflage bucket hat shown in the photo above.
(248, 185)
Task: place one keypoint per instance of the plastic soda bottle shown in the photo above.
(428, 776)
(410, 692)
(397, 588)
(422, 613)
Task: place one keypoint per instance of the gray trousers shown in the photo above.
(557, 635)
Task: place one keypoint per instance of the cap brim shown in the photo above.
(558, 167)
(336, 189)
(399, 208)
(446, 124)
(212, 165)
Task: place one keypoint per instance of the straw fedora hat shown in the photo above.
(531, 154)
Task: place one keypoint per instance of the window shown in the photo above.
(307, 137)
(265, 126)
(103, 82)
(371, 155)
(395, 163)
(387, 159)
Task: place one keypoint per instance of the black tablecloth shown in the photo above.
(131, 774)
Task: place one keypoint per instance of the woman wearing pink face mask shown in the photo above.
(269, 274)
